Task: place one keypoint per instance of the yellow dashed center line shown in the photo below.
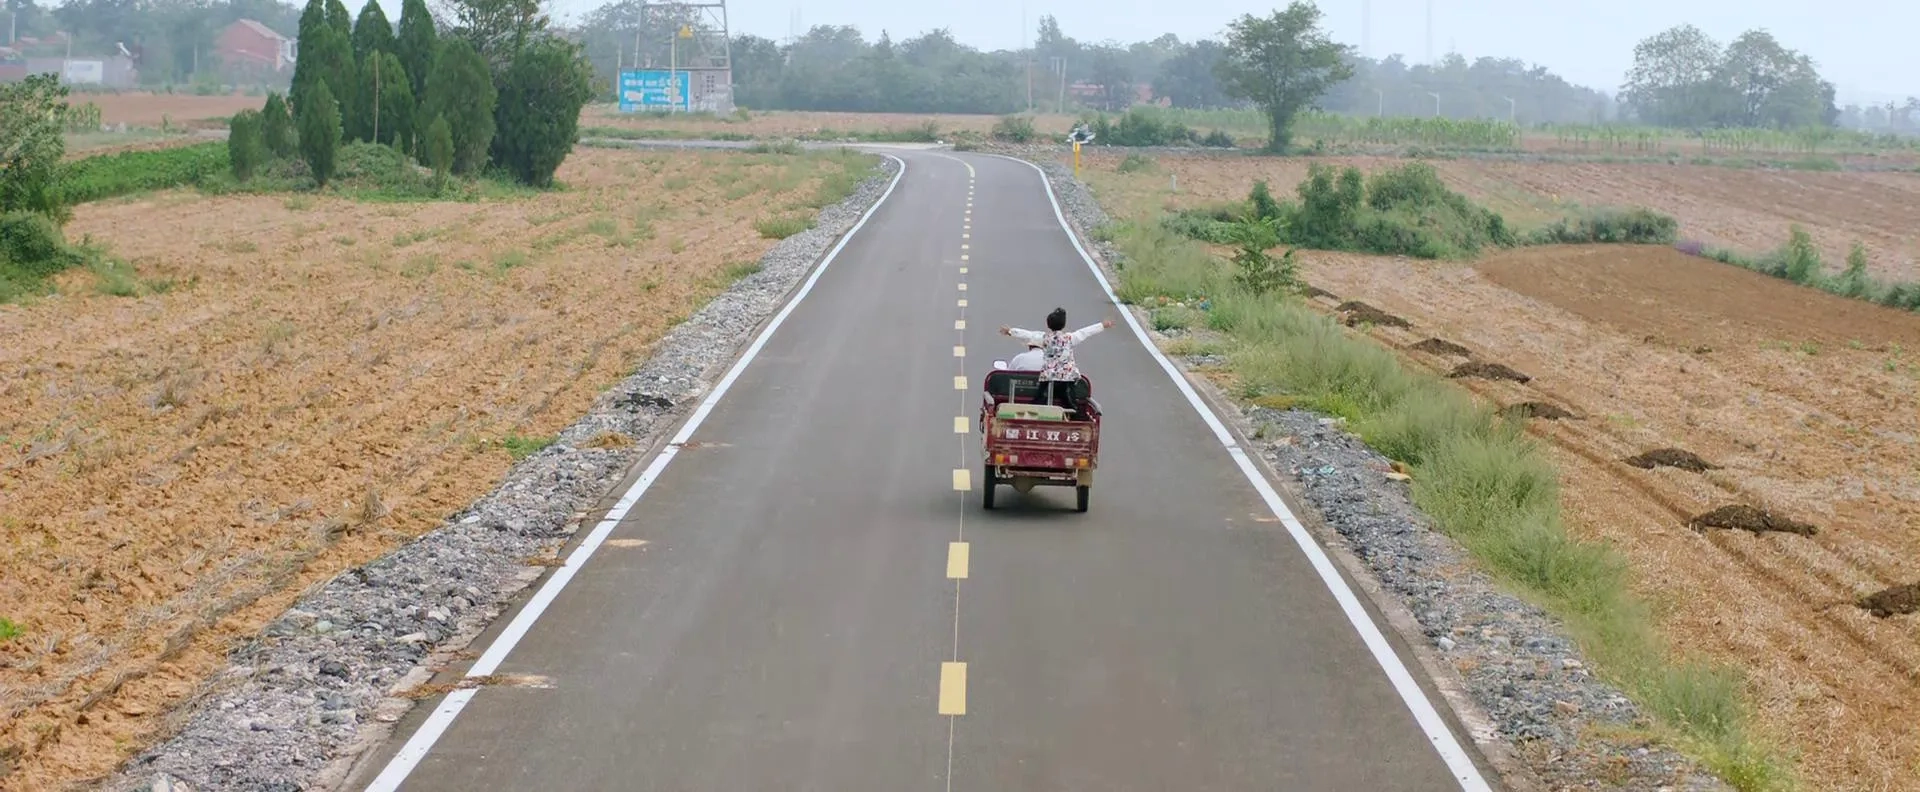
(959, 424)
(963, 302)
(959, 324)
(958, 554)
(963, 287)
(962, 479)
(959, 351)
(960, 383)
(953, 688)
(963, 270)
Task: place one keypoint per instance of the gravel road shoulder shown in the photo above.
(324, 682)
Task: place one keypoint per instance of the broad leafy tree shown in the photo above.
(1282, 63)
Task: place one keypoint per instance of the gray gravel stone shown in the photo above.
(314, 678)
(1518, 665)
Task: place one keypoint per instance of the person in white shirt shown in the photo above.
(1030, 360)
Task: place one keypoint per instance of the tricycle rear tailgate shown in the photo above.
(1041, 444)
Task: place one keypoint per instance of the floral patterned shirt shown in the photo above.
(1057, 346)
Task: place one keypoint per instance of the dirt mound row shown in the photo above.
(1747, 518)
(1484, 370)
(1311, 292)
(1441, 346)
(1673, 458)
(1896, 601)
(1354, 313)
(1541, 410)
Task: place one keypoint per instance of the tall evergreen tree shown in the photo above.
(372, 32)
(396, 109)
(308, 67)
(460, 90)
(416, 44)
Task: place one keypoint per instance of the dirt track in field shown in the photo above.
(323, 381)
(151, 109)
(1803, 402)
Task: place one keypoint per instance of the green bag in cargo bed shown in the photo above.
(1032, 412)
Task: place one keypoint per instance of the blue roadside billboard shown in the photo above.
(652, 89)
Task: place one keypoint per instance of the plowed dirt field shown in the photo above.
(1798, 402)
(323, 381)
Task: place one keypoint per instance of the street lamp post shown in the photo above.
(1510, 106)
(1380, 97)
(1436, 103)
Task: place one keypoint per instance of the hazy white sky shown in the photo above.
(1866, 47)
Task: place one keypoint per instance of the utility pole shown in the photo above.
(1510, 106)
(1366, 28)
(1436, 103)
(376, 97)
(1429, 32)
(1029, 51)
(1060, 64)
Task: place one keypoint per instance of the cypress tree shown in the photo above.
(417, 42)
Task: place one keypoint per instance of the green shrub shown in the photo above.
(127, 172)
(1611, 226)
(1261, 200)
(1014, 129)
(1140, 126)
(1217, 139)
(1800, 261)
(538, 114)
(32, 249)
(276, 127)
(1255, 270)
(246, 147)
(31, 145)
(1200, 225)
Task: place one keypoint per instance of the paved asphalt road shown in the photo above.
(799, 613)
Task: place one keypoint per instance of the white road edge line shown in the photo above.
(1416, 700)
(436, 724)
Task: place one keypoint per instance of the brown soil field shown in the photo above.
(1747, 210)
(791, 123)
(1803, 402)
(323, 381)
(149, 109)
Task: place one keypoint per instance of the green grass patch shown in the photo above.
(1609, 226)
(511, 259)
(1477, 474)
(1799, 260)
(521, 446)
(129, 172)
(8, 629)
(781, 227)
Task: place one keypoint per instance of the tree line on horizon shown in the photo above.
(1755, 81)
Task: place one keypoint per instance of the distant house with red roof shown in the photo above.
(248, 48)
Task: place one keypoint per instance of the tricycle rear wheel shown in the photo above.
(986, 486)
(1083, 492)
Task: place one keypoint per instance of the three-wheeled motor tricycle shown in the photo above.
(1027, 443)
